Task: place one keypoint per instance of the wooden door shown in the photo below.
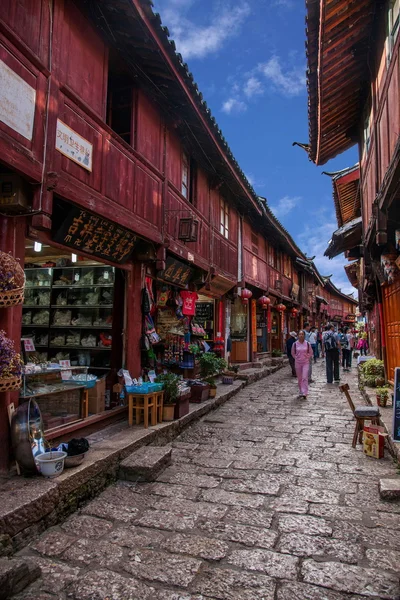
(391, 317)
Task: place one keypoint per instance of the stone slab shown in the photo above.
(389, 489)
(15, 576)
(145, 464)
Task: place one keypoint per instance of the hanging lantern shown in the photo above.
(281, 307)
(246, 294)
(294, 312)
(245, 300)
(264, 301)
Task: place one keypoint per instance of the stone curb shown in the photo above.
(38, 503)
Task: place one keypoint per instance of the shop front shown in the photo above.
(75, 333)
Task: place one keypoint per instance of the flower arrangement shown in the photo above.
(12, 281)
(10, 360)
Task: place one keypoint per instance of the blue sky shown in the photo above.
(248, 59)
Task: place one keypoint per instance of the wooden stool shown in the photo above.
(361, 414)
(159, 405)
(142, 402)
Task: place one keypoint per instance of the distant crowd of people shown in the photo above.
(308, 345)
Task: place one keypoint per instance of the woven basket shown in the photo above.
(10, 383)
(16, 295)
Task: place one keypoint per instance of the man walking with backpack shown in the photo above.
(331, 343)
(344, 343)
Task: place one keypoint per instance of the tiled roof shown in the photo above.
(346, 194)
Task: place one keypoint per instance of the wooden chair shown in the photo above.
(142, 403)
(361, 414)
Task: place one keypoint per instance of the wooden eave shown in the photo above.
(346, 196)
(136, 32)
(338, 45)
(352, 273)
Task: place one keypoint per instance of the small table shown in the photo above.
(144, 402)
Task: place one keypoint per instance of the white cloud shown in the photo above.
(253, 87)
(289, 82)
(283, 3)
(233, 106)
(285, 205)
(314, 241)
(197, 41)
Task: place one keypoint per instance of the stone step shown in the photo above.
(146, 463)
(243, 366)
(389, 489)
(16, 575)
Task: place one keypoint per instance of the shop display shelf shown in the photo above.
(42, 306)
(37, 287)
(77, 287)
(81, 306)
(38, 268)
(81, 347)
(33, 325)
(80, 327)
(64, 387)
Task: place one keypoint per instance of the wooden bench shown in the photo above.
(361, 414)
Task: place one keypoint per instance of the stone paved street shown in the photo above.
(265, 500)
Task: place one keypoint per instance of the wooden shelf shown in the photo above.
(82, 306)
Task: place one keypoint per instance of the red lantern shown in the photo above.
(264, 301)
(245, 294)
(281, 307)
(294, 312)
(245, 300)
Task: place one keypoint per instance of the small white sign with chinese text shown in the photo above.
(74, 146)
(17, 102)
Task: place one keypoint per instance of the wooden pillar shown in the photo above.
(134, 318)
(12, 239)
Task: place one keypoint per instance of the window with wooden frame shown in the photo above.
(271, 256)
(278, 261)
(287, 270)
(254, 242)
(120, 112)
(393, 18)
(224, 218)
(185, 176)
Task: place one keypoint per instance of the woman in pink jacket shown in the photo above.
(301, 352)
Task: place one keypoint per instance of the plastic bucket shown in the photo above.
(51, 464)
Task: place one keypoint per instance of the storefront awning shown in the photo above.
(322, 300)
(218, 286)
(345, 238)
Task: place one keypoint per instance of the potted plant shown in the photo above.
(10, 365)
(371, 370)
(210, 366)
(171, 389)
(382, 395)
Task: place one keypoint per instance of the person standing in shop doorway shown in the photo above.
(291, 340)
(302, 353)
(331, 344)
(307, 334)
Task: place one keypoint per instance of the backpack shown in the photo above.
(330, 342)
(344, 342)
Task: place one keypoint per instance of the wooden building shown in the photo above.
(115, 178)
(353, 85)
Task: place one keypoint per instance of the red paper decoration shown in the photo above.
(294, 312)
(264, 301)
(245, 294)
(281, 307)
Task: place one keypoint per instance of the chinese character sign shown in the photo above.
(86, 232)
(72, 145)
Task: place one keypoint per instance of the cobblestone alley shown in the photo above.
(265, 500)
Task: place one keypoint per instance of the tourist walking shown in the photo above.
(307, 333)
(312, 339)
(289, 343)
(302, 353)
(331, 344)
(344, 343)
(362, 345)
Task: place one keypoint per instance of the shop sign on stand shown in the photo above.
(176, 272)
(86, 231)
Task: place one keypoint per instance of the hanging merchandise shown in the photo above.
(162, 298)
(149, 288)
(150, 330)
(189, 302)
(145, 302)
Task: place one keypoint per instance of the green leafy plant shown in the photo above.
(194, 349)
(371, 370)
(210, 366)
(171, 386)
(383, 392)
(276, 353)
